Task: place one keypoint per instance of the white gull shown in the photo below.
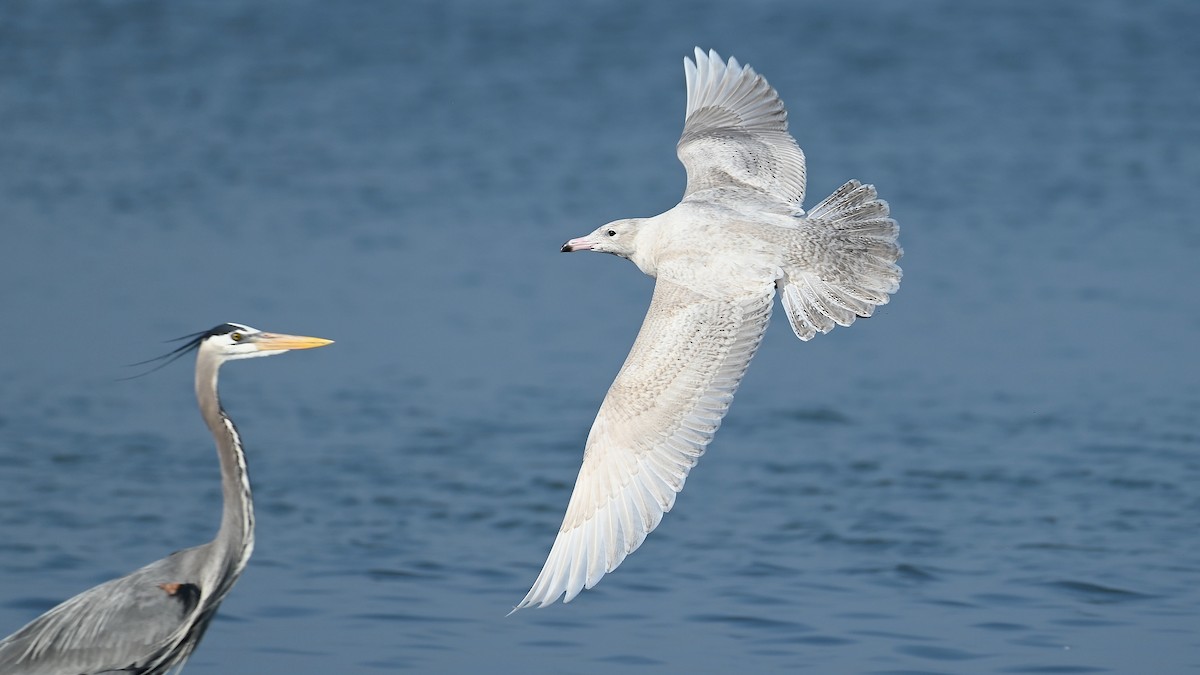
(719, 256)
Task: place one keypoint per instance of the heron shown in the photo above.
(150, 621)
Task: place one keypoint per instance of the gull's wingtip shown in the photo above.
(535, 597)
(702, 54)
(690, 74)
(549, 587)
(530, 601)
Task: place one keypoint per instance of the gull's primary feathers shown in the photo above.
(719, 257)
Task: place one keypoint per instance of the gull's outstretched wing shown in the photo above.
(735, 133)
(657, 419)
(132, 623)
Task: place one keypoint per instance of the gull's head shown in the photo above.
(617, 238)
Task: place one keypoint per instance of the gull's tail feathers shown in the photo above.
(844, 262)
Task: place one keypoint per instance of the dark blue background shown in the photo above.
(997, 473)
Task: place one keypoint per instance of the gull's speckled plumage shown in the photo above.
(738, 236)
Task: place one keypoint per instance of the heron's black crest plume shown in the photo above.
(192, 344)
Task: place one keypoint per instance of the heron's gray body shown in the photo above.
(159, 619)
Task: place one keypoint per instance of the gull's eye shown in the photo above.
(235, 336)
(612, 233)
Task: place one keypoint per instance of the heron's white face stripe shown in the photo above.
(233, 344)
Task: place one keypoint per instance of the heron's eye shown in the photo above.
(612, 233)
(235, 336)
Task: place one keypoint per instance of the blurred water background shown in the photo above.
(997, 473)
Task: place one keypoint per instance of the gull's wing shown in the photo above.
(131, 622)
(735, 133)
(655, 422)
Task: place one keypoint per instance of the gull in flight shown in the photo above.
(738, 237)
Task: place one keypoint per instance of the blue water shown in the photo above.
(997, 473)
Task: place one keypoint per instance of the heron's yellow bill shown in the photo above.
(273, 341)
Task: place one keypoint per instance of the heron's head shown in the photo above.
(618, 238)
(231, 341)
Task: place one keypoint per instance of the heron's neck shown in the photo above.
(237, 519)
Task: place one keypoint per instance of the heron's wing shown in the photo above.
(657, 419)
(735, 133)
(121, 624)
